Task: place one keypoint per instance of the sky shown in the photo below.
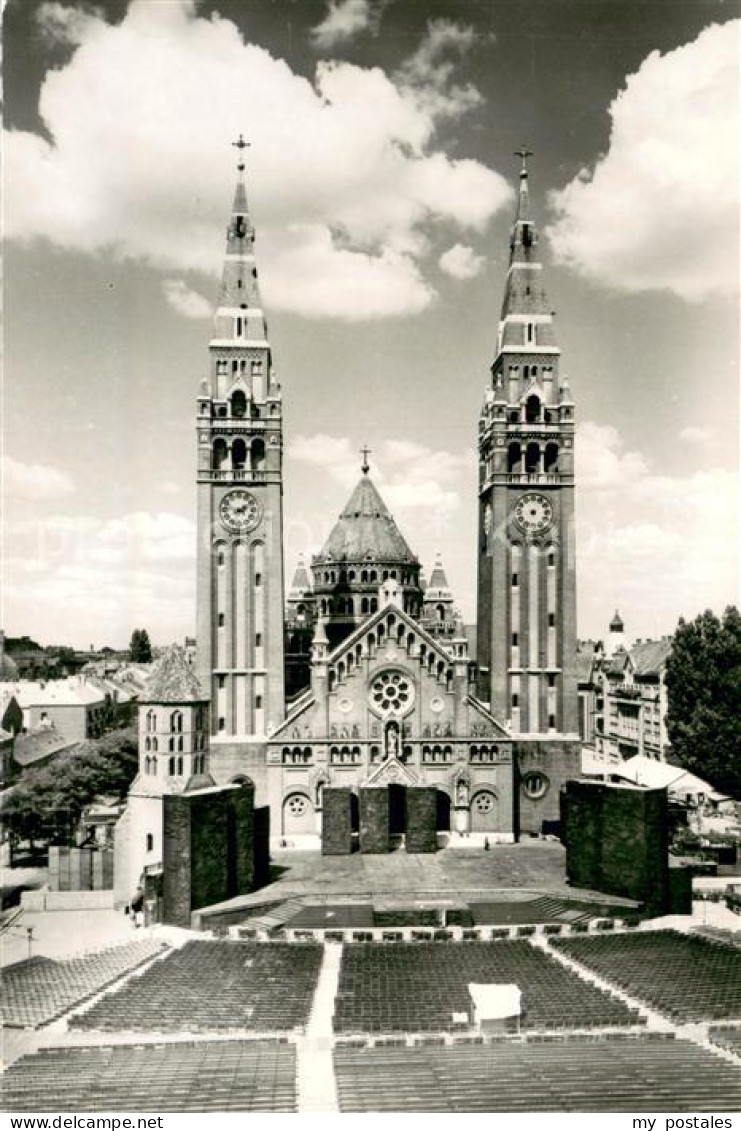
(381, 180)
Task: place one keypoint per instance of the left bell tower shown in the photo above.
(240, 507)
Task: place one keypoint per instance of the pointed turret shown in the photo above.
(438, 610)
(526, 320)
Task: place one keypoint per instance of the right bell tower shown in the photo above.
(526, 635)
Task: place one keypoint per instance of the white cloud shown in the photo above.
(697, 436)
(346, 178)
(659, 211)
(61, 24)
(75, 569)
(186, 301)
(34, 481)
(659, 544)
(461, 262)
(429, 70)
(410, 476)
(344, 20)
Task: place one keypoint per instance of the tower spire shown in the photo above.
(523, 203)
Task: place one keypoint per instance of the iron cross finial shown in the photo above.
(241, 145)
(523, 153)
(365, 452)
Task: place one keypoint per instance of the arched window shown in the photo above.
(176, 722)
(441, 612)
(171, 767)
(514, 457)
(532, 409)
(239, 455)
(154, 744)
(171, 743)
(151, 719)
(364, 605)
(551, 457)
(239, 404)
(532, 458)
(180, 765)
(154, 765)
(150, 843)
(180, 742)
(219, 455)
(258, 455)
(147, 765)
(147, 743)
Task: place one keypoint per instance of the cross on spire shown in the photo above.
(241, 145)
(365, 452)
(523, 153)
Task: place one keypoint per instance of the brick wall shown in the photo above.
(374, 820)
(616, 841)
(208, 850)
(336, 821)
(559, 761)
(421, 822)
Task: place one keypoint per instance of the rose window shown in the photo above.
(391, 693)
(297, 805)
(484, 802)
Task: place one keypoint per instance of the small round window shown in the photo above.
(391, 693)
(535, 785)
(484, 802)
(297, 805)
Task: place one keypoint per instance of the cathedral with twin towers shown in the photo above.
(358, 674)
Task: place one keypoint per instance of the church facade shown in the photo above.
(360, 675)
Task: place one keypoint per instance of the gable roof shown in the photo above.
(649, 656)
(366, 531)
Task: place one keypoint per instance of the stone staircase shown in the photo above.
(559, 912)
(271, 920)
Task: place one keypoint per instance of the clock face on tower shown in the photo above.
(239, 510)
(533, 513)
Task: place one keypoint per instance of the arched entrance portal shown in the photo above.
(485, 811)
(443, 812)
(397, 809)
(298, 815)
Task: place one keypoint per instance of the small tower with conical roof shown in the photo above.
(617, 640)
(526, 647)
(240, 517)
(438, 607)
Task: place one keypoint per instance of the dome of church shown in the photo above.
(366, 531)
(364, 549)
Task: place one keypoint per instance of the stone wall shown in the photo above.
(80, 869)
(616, 841)
(336, 821)
(374, 820)
(421, 819)
(558, 761)
(208, 849)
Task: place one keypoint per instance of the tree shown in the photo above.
(47, 803)
(703, 682)
(140, 648)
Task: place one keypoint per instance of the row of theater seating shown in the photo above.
(177, 1077)
(208, 986)
(408, 988)
(574, 1074)
(687, 977)
(727, 1037)
(39, 989)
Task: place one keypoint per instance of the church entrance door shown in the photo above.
(397, 809)
(485, 812)
(443, 811)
